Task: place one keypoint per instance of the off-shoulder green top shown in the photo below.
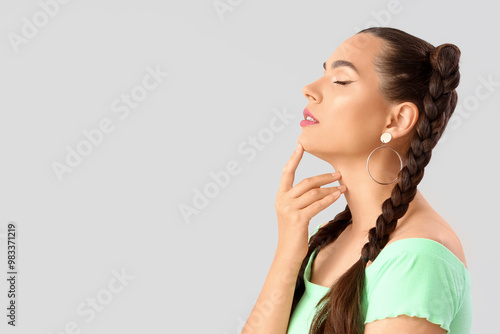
(415, 276)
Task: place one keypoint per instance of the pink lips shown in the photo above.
(307, 122)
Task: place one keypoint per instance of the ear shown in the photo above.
(401, 119)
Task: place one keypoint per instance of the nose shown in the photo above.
(311, 92)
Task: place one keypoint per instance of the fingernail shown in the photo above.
(342, 187)
(297, 149)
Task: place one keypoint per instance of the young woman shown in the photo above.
(388, 263)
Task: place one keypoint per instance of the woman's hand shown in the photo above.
(296, 205)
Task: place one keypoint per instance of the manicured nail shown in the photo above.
(297, 149)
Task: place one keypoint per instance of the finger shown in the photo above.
(318, 206)
(315, 195)
(314, 182)
(288, 173)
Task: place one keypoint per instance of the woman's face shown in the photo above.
(347, 102)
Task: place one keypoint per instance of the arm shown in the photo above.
(403, 324)
(272, 310)
(295, 206)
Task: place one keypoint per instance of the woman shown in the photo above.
(388, 263)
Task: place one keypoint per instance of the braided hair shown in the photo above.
(410, 69)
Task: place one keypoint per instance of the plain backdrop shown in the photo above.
(140, 163)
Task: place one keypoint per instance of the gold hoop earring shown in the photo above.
(384, 138)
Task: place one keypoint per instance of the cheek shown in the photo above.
(356, 121)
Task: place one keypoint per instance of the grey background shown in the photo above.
(227, 76)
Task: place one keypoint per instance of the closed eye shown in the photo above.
(342, 82)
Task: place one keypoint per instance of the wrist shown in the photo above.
(291, 258)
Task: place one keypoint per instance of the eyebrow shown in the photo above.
(340, 63)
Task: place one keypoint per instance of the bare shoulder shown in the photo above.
(430, 225)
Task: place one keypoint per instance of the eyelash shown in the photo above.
(342, 82)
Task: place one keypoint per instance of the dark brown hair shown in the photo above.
(410, 69)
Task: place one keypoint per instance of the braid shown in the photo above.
(323, 237)
(410, 70)
(439, 103)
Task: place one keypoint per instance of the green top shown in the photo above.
(415, 276)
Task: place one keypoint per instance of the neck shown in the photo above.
(365, 196)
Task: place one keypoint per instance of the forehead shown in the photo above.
(360, 50)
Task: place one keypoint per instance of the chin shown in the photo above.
(308, 147)
(313, 149)
(308, 144)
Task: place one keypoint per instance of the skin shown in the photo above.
(352, 118)
(352, 115)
